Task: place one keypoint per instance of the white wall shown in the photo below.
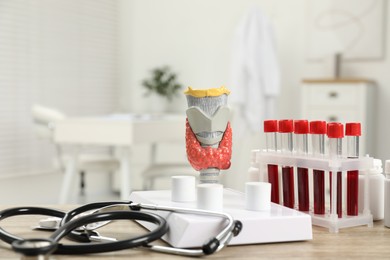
(60, 54)
(194, 37)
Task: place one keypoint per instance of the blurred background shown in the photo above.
(92, 57)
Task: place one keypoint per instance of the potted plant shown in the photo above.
(163, 82)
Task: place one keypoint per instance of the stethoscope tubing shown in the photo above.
(107, 211)
(158, 232)
(83, 209)
(67, 228)
(215, 244)
(222, 234)
(88, 207)
(17, 211)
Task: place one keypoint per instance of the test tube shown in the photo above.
(286, 129)
(270, 131)
(352, 133)
(335, 133)
(318, 131)
(301, 130)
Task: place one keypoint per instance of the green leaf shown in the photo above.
(163, 82)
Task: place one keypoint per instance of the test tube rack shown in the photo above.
(330, 219)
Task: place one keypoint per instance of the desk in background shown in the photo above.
(357, 243)
(119, 131)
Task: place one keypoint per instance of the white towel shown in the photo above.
(255, 71)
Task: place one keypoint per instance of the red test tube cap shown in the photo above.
(301, 127)
(286, 126)
(318, 127)
(335, 130)
(353, 129)
(270, 126)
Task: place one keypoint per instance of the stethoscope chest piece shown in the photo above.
(35, 247)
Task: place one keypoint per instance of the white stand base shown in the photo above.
(280, 224)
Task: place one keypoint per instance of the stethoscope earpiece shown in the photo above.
(237, 227)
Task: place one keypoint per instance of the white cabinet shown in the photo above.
(342, 100)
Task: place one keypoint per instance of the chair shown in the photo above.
(45, 119)
(163, 170)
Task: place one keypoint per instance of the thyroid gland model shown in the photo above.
(208, 132)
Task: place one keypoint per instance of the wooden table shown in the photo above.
(359, 242)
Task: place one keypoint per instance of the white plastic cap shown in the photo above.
(183, 188)
(210, 196)
(377, 167)
(258, 196)
(387, 167)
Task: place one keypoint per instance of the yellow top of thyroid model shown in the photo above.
(211, 92)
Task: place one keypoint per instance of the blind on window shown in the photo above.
(57, 53)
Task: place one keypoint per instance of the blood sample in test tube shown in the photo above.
(335, 132)
(318, 131)
(301, 131)
(270, 131)
(286, 129)
(352, 133)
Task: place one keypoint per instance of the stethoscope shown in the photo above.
(82, 228)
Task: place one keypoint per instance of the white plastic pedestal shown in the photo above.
(280, 224)
(330, 219)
